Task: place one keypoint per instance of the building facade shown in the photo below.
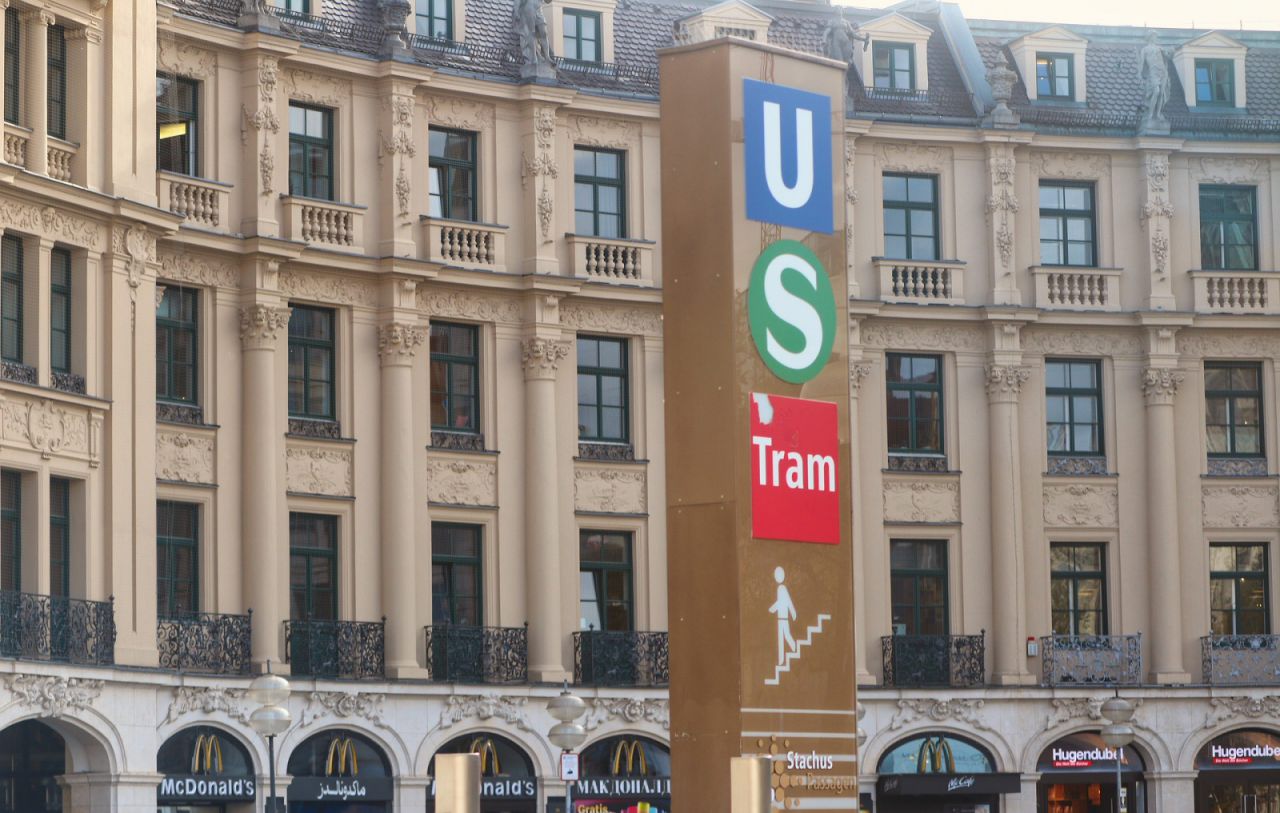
(348, 313)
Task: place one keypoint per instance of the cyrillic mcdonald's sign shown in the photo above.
(935, 756)
(634, 752)
(340, 750)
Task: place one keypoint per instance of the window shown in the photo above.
(59, 537)
(581, 35)
(57, 81)
(435, 19)
(11, 286)
(310, 151)
(915, 403)
(177, 558)
(1233, 408)
(1055, 78)
(297, 6)
(1216, 82)
(1238, 590)
(599, 193)
(311, 363)
(177, 341)
(1077, 589)
(1066, 224)
(10, 530)
(456, 596)
(911, 217)
(177, 124)
(918, 586)
(602, 389)
(1073, 407)
(313, 567)
(60, 310)
(604, 581)
(12, 66)
(1228, 228)
(893, 66)
(455, 365)
(452, 174)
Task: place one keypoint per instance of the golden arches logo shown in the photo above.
(487, 750)
(634, 752)
(340, 749)
(207, 757)
(935, 756)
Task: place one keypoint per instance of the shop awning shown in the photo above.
(948, 784)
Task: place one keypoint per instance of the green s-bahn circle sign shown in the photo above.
(792, 311)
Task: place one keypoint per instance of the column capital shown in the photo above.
(259, 325)
(858, 370)
(541, 357)
(1004, 381)
(1160, 384)
(160, 289)
(38, 15)
(398, 342)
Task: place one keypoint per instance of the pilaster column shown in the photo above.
(83, 107)
(261, 325)
(1004, 384)
(541, 358)
(258, 134)
(398, 342)
(538, 173)
(35, 306)
(858, 371)
(1156, 215)
(850, 230)
(36, 24)
(396, 150)
(1159, 388)
(1002, 206)
(4, 6)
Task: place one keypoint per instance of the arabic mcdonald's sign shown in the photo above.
(935, 756)
(342, 749)
(489, 764)
(634, 753)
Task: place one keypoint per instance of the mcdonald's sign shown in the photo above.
(634, 753)
(935, 756)
(206, 757)
(342, 757)
(489, 764)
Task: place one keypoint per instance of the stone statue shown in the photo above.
(535, 45)
(839, 38)
(1155, 86)
(1002, 78)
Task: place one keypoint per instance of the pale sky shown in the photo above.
(1223, 14)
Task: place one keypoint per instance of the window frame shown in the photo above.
(191, 155)
(1209, 64)
(879, 47)
(11, 522)
(56, 90)
(1234, 577)
(296, 6)
(598, 568)
(565, 38)
(60, 536)
(448, 561)
(599, 372)
(308, 554)
(307, 343)
(1051, 75)
(431, 18)
(449, 166)
(939, 388)
(1074, 577)
(307, 143)
(1221, 220)
(1071, 392)
(57, 255)
(171, 327)
(596, 182)
(450, 362)
(12, 66)
(15, 276)
(908, 206)
(166, 599)
(1064, 214)
(916, 574)
(1231, 394)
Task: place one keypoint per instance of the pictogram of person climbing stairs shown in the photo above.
(794, 654)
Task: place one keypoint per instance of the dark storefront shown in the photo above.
(1078, 775)
(622, 774)
(32, 757)
(940, 774)
(339, 772)
(206, 770)
(508, 782)
(1239, 772)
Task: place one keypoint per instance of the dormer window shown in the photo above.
(581, 35)
(893, 64)
(1211, 68)
(1055, 78)
(434, 19)
(897, 57)
(1052, 64)
(1215, 82)
(299, 6)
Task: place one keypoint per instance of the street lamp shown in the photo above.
(1118, 712)
(567, 734)
(271, 718)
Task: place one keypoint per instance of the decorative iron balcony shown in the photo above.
(917, 661)
(620, 658)
(1109, 660)
(1241, 659)
(347, 650)
(205, 642)
(54, 628)
(462, 654)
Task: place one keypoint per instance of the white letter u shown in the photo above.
(792, 197)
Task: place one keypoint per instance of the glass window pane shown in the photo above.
(922, 248)
(1222, 558)
(1216, 378)
(920, 190)
(921, 223)
(895, 188)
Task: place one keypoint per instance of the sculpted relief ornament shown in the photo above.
(1006, 380)
(48, 428)
(629, 710)
(510, 710)
(541, 357)
(260, 325)
(364, 705)
(398, 342)
(542, 167)
(966, 712)
(1222, 709)
(206, 700)
(1160, 384)
(314, 470)
(184, 458)
(263, 120)
(53, 696)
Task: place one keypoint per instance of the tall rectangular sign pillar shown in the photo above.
(759, 481)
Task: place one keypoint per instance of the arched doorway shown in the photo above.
(32, 757)
(933, 773)
(1239, 772)
(1078, 775)
(508, 782)
(206, 770)
(339, 771)
(624, 773)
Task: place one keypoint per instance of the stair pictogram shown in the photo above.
(794, 654)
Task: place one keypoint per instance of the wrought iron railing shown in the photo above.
(1241, 659)
(351, 650)
(1109, 660)
(54, 628)
(464, 654)
(620, 658)
(205, 642)
(934, 660)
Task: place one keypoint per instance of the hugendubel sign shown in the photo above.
(757, 422)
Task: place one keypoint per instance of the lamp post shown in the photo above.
(1118, 712)
(270, 719)
(567, 734)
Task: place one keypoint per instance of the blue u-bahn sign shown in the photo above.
(787, 135)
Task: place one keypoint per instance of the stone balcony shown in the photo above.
(1077, 289)
(1239, 292)
(464, 244)
(921, 282)
(62, 157)
(15, 144)
(608, 259)
(324, 223)
(202, 202)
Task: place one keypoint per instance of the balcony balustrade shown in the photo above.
(15, 144)
(205, 642)
(62, 156)
(1239, 292)
(606, 259)
(620, 658)
(347, 650)
(918, 661)
(1250, 660)
(922, 282)
(325, 224)
(1108, 660)
(466, 245)
(462, 654)
(54, 628)
(1077, 289)
(202, 202)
